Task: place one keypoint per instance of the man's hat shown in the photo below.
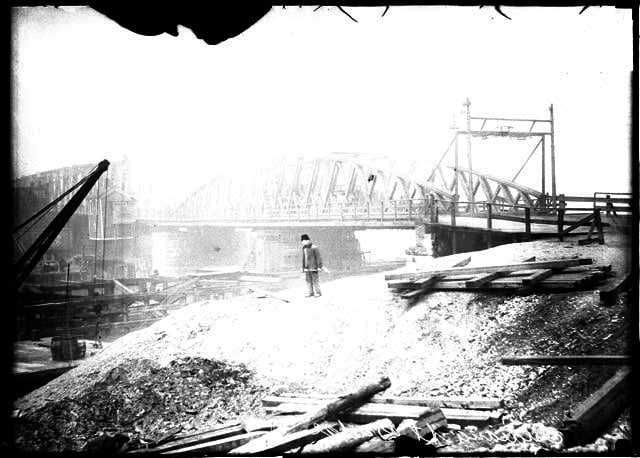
(304, 237)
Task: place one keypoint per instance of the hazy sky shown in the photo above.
(304, 82)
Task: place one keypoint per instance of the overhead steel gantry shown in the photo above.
(343, 186)
(477, 187)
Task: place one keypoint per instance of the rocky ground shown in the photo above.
(210, 362)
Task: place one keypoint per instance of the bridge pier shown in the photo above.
(280, 250)
(446, 241)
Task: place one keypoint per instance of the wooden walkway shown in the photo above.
(473, 223)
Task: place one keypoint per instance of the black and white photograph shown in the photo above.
(405, 230)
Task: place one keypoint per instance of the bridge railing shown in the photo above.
(391, 210)
(580, 216)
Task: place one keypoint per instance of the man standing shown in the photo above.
(311, 264)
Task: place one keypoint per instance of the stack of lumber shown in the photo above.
(542, 276)
(461, 411)
(374, 424)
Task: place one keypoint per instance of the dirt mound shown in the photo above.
(448, 343)
(142, 401)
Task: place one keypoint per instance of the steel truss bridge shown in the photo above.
(347, 188)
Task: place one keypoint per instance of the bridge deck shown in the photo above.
(355, 223)
(510, 227)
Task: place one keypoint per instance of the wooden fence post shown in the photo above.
(560, 223)
(598, 221)
(454, 204)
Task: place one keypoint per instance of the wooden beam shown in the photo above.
(120, 287)
(349, 438)
(486, 269)
(462, 263)
(299, 439)
(363, 414)
(413, 294)
(591, 418)
(199, 438)
(482, 279)
(217, 446)
(610, 293)
(327, 410)
(572, 360)
(420, 284)
(583, 222)
(537, 277)
(396, 413)
(428, 401)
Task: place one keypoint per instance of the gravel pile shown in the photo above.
(448, 344)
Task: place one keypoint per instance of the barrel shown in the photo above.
(67, 348)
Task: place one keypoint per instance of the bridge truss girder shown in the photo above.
(319, 183)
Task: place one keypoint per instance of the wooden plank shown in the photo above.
(586, 221)
(268, 294)
(217, 446)
(537, 277)
(413, 294)
(567, 360)
(460, 285)
(462, 263)
(326, 410)
(120, 287)
(349, 438)
(299, 439)
(487, 269)
(427, 401)
(591, 418)
(361, 415)
(482, 279)
(458, 277)
(610, 293)
(396, 413)
(199, 438)
(401, 284)
(522, 273)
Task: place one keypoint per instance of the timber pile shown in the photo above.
(377, 424)
(526, 277)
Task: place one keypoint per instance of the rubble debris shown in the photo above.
(142, 400)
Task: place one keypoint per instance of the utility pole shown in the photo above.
(553, 158)
(467, 104)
